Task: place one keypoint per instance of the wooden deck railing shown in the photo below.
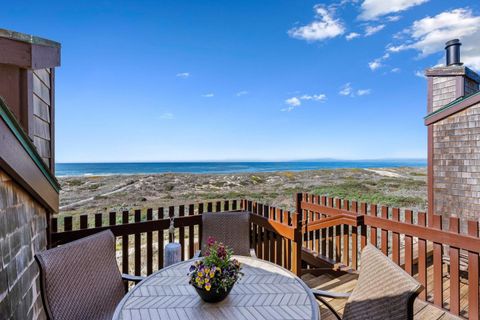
(141, 233)
(323, 235)
(444, 261)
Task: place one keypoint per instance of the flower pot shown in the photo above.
(213, 295)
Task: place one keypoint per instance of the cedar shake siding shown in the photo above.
(23, 224)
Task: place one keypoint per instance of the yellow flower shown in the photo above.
(207, 270)
(212, 274)
(208, 286)
(200, 273)
(207, 280)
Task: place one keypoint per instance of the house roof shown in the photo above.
(17, 36)
(453, 107)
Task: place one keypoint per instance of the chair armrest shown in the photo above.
(197, 254)
(252, 253)
(329, 294)
(132, 278)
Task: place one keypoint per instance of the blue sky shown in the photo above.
(256, 80)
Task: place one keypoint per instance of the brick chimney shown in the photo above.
(453, 120)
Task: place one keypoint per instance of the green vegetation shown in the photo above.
(257, 179)
(74, 182)
(369, 193)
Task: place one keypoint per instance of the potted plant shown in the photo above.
(213, 276)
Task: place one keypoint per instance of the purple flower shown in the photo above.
(210, 241)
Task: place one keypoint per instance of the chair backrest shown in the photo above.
(81, 279)
(383, 291)
(230, 228)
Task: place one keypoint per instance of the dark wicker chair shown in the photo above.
(81, 279)
(383, 291)
(231, 228)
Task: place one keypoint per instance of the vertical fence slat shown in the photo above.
(171, 214)
(396, 238)
(363, 231)
(473, 312)
(422, 259)
(297, 243)
(286, 245)
(181, 233)
(191, 233)
(125, 245)
(200, 211)
(138, 245)
(384, 232)
(354, 239)
(160, 240)
(271, 236)
(324, 231)
(338, 235)
(330, 233)
(346, 237)
(278, 239)
(454, 254)
(266, 236)
(149, 244)
(437, 266)
(408, 245)
(316, 200)
(373, 230)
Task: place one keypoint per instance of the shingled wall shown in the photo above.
(22, 233)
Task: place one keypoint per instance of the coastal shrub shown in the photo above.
(362, 192)
(257, 179)
(74, 182)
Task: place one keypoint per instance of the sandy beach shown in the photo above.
(401, 187)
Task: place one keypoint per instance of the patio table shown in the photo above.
(266, 291)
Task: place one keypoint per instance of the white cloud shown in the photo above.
(241, 93)
(167, 116)
(393, 18)
(352, 35)
(373, 9)
(364, 92)
(346, 89)
(293, 102)
(419, 74)
(395, 70)
(370, 30)
(287, 109)
(208, 95)
(316, 97)
(428, 35)
(183, 75)
(375, 64)
(325, 26)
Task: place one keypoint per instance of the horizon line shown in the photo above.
(253, 160)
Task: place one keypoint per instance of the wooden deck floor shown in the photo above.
(347, 282)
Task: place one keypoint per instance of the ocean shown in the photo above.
(92, 169)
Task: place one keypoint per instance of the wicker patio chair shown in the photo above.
(383, 291)
(230, 228)
(81, 279)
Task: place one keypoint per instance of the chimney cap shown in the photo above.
(452, 42)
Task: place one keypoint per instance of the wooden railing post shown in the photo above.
(298, 238)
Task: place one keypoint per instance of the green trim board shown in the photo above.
(24, 140)
(23, 37)
(451, 104)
